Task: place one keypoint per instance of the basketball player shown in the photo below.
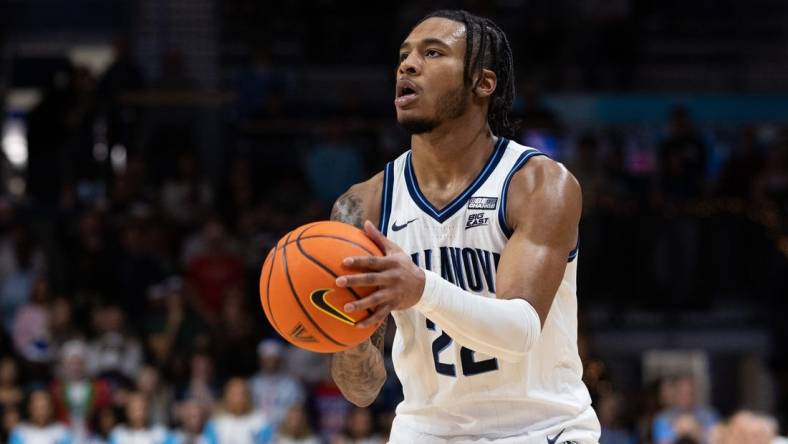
(479, 235)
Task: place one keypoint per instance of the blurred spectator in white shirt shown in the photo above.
(191, 417)
(273, 390)
(40, 429)
(137, 428)
(295, 428)
(114, 351)
(238, 423)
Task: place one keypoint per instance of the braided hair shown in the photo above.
(486, 47)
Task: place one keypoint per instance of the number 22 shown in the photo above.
(469, 365)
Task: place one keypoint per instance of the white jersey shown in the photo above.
(452, 393)
(25, 433)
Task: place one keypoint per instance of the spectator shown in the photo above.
(683, 414)
(104, 421)
(359, 429)
(157, 393)
(11, 418)
(295, 428)
(191, 421)
(332, 408)
(238, 422)
(31, 334)
(41, 427)
(237, 330)
(201, 386)
(90, 263)
(681, 182)
(274, 391)
(185, 197)
(11, 393)
(213, 271)
(115, 352)
(61, 322)
(21, 261)
(138, 428)
(76, 396)
(609, 412)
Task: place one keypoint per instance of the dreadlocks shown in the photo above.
(486, 47)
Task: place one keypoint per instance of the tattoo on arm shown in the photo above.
(348, 209)
(360, 372)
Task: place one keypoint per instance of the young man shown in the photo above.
(479, 272)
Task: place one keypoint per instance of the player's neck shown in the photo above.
(451, 153)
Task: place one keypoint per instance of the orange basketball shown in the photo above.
(298, 290)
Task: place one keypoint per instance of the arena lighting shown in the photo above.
(15, 142)
(117, 157)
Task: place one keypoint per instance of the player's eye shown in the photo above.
(403, 56)
(432, 53)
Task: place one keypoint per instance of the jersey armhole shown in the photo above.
(386, 197)
(521, 161)
(507, 231)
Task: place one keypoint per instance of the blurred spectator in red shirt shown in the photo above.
(212, 271)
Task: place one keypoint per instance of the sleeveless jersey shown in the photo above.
(453, 391)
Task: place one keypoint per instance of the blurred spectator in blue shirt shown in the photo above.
(683, 407)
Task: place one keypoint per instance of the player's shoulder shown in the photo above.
(360, 202)
(541, 174)
(543, 186)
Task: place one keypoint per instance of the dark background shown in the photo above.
(154, 151)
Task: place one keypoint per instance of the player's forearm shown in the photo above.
(359, 373)
(504, 328)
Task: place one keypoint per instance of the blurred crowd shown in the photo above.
(129, 265)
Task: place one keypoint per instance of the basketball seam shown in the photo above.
(325, 268)
(328, 236)
(298, 300)
(268, 291)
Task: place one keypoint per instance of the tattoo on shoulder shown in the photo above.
(348, 209)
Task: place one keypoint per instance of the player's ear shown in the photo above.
(486, 83)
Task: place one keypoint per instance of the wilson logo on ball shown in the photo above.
(318, 298)
(299, 334)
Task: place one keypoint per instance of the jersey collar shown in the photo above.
(458, 202)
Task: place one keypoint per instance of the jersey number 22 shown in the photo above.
(469, 365)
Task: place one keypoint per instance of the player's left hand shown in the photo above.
(400, 282)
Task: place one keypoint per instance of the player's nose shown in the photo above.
(410, 65)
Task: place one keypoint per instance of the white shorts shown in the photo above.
(582, 430)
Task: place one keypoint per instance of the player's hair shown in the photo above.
(486, 46)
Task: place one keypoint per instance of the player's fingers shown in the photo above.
(378, 237)
(363, 280)
(379, 315)
(371, 301)
(374, 263)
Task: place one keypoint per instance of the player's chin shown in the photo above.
(415, 124)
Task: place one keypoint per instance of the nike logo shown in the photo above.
(554, 439)
(318, 298)
(396, 227)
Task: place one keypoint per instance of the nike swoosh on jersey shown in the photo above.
(318, 298)
(554, 439)
(396, 227)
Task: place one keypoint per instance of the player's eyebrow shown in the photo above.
(426, 42)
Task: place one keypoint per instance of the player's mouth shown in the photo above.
(407, 93)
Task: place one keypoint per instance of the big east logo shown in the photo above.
(477, 220)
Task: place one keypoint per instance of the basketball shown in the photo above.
(298, 291)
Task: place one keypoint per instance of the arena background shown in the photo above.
(153, 151)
